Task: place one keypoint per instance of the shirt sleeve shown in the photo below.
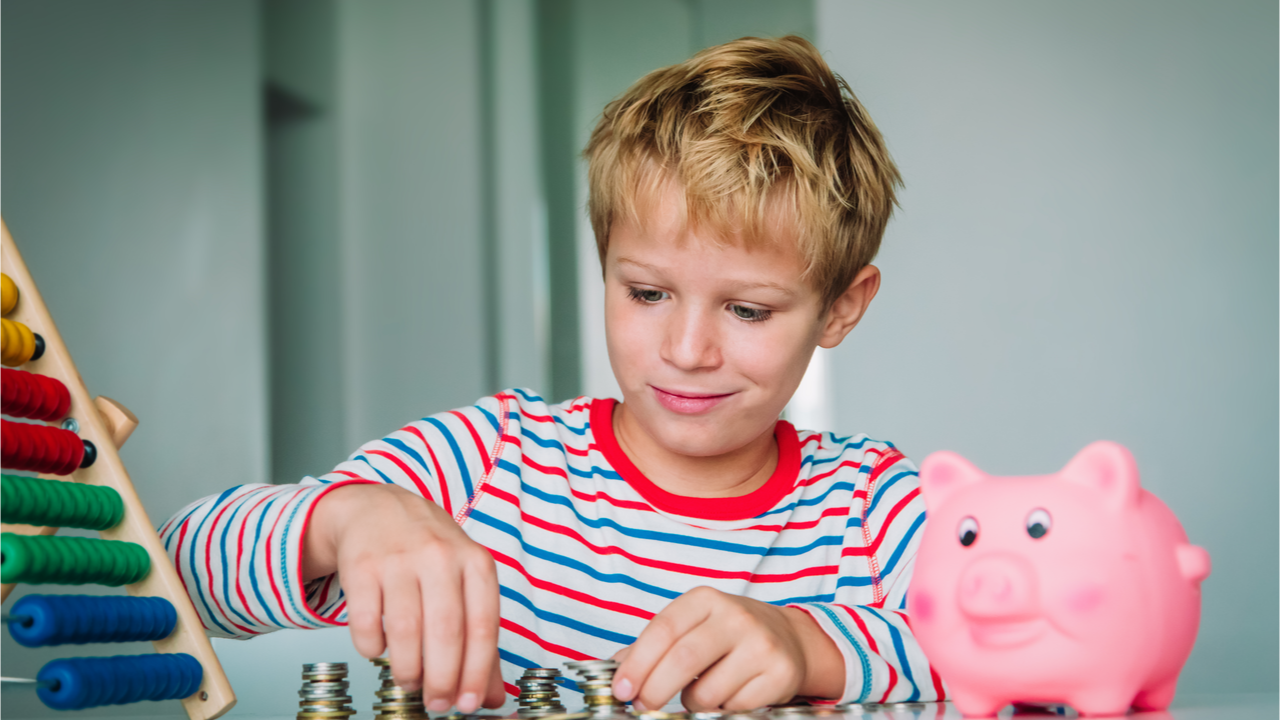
(868, 620)
(239, 553)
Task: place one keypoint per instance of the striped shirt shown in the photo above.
(587, 549)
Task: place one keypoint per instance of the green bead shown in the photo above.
(32, 501)
(71, 561)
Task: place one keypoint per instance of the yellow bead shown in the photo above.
(8, 294)
(17, 343)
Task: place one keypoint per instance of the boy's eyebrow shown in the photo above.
(747, 285)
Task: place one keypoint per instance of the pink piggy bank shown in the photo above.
(1076, 588)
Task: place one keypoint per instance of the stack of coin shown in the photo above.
(538, 694)
(597, 686)
(394, 702)
(324, 692)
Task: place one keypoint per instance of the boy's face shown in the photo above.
(708, 340)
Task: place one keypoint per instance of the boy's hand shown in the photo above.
(728, 653)
(416, 584)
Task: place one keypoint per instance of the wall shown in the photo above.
(1086, 249)
(131, 183)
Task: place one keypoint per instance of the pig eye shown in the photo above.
(1038, 523)
(968, 531)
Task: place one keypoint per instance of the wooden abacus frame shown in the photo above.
(108, 424)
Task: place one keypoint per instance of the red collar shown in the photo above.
(741, 507)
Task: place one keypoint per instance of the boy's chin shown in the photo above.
(709, 435)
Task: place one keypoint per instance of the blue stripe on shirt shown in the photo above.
(645, 534)
(902, 544)
(403, 447)
(810, 501)
(226, 575)
(191, 560)
(284, 567)
(457, 454)
(885, 486)
(565, 621)
(900, 650)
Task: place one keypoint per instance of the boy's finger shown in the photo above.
(757, 692)
(364, 612)
(496, 694)
(402, 623)
(444, 616)
(731, 680)
(684, 660)
(662, 632)
(480, 652)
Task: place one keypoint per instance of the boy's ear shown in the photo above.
(850, 306)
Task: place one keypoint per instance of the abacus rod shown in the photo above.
(6, 618)
(29, 681)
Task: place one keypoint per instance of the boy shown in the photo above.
(720, 555)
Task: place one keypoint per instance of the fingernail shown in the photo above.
(622, 689)
(439, 706)
(468, 703)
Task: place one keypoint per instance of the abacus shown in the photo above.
(82, 483)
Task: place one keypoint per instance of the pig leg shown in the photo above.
(1158, 697)
(975, 704)
(1103, 701)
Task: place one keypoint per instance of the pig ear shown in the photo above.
(1108, 468)
(942, 473)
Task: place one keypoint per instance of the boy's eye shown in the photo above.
(646, 296)
(750, 314)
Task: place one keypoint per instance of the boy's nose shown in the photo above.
(691, 342)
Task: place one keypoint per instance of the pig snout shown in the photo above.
(998, 586)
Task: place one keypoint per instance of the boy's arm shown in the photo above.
(721, 651)
(263, 557)
(882, 661)
(238, 555)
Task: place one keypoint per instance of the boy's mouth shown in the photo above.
(688, 403)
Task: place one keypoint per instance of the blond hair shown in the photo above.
(749, 128)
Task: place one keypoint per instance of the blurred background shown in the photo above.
(275, 229)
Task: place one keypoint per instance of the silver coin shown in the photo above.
(592, 664)
(324, 666)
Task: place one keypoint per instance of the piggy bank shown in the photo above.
(1076, 588)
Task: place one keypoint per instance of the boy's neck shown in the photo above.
(730, 475)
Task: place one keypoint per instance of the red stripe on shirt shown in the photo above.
(444, 488)
(933, 674)
(208, 568)
(839, 511)
(580, 453)
(563, 591)
(244, 601)
(871, 643)
(817, 478)
(177, 561)
(545, 469)
(629, 504)
(548, 646)
(404, 468)
(692, 570)
(271, 576)
(475, 436)
(888, 523)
